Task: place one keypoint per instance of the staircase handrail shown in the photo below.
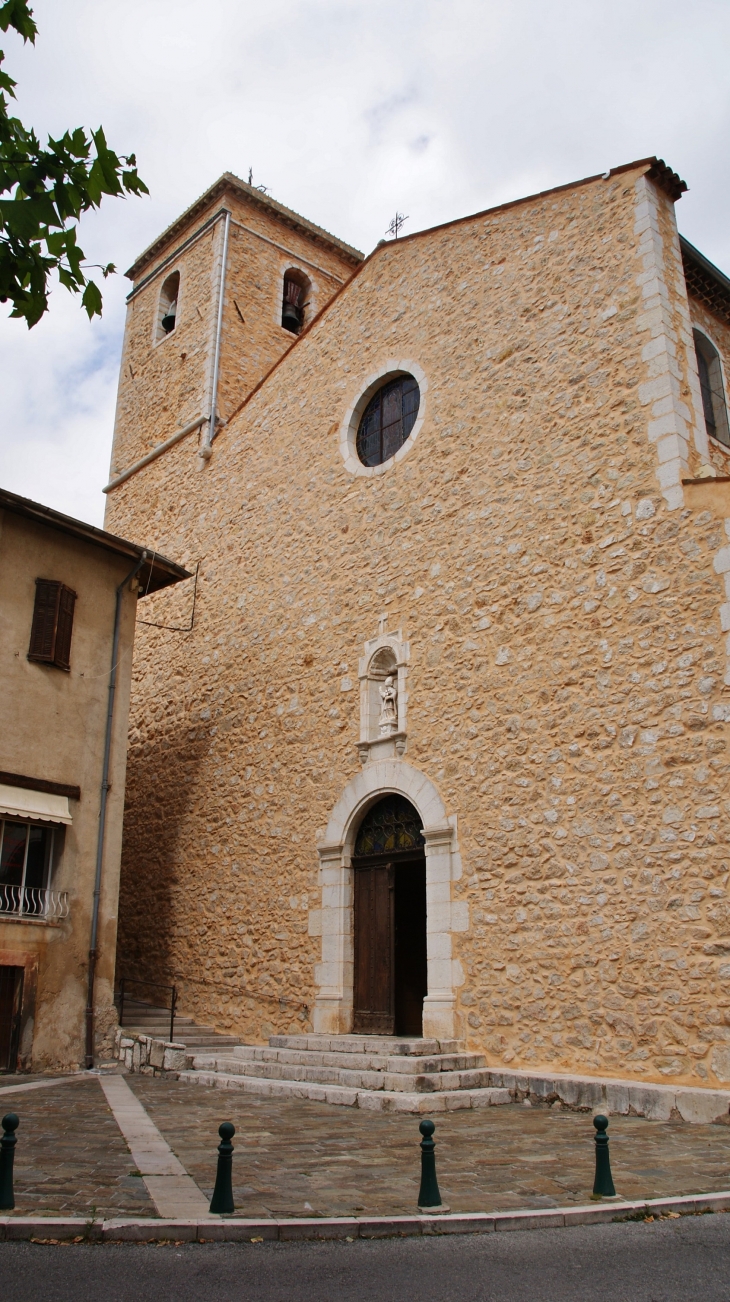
(152, 985)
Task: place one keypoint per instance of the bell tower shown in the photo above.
(216, 300)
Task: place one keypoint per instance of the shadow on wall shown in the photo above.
(152, 866)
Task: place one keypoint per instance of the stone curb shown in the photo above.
(237, 1230)
(698, 1106)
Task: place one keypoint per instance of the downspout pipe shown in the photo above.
(102, 812)
(210, 433)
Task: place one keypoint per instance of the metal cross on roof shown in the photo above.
(397, 223)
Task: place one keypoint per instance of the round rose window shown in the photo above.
(388, 420)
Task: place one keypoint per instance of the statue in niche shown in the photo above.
(388, 721)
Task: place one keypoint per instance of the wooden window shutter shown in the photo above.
(50, 636)
(45, 615)
(64, 627)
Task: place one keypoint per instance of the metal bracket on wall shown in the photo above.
(178, 628)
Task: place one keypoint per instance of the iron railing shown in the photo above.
(151, 985)
(32, 902)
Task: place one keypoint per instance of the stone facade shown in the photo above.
(561, 589)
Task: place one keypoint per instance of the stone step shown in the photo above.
(385, 1045)
(372, 1100)
(395, 1082)
(192, 1039)
(362, 1061)
(141, 1018)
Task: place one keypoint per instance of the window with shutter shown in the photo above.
(53, 613)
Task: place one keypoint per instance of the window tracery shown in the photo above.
(388, 420)
(390, 826)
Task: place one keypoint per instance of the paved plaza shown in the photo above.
(300, 1158)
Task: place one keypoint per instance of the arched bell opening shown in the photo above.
(167, 307)
(295, 301)
(389, 920)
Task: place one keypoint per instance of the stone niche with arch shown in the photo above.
(382, 671)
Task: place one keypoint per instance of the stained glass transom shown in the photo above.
(391, 825)
(388, 420)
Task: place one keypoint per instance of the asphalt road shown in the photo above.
(664, 1261)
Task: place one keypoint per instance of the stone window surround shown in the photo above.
(157, 317)
(349, 426)
(700, 329)
(333, 921)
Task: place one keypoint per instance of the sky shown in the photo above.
(347, 110)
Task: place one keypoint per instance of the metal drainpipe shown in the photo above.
(102, 813)
(210, 433)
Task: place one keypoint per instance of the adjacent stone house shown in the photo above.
(436, 737)
(68, 595)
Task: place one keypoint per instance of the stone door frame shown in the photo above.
(333, 921)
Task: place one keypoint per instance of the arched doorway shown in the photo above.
(389, 867)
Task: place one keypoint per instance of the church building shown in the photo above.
(434, 739)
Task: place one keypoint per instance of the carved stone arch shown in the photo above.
(333, 920)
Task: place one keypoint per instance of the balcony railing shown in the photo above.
(32, 902)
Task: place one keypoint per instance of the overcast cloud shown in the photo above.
(346, 110)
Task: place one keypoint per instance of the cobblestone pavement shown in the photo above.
(71, 1158)
(298, 1158)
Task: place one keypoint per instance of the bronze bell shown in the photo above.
(168, 320)
(291, 314)
(290, 318)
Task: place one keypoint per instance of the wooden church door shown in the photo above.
(389, 918)
(374, 987)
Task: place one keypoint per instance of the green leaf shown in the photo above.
(19, 217)
(92, 299)
(46, 191)
(15, 13)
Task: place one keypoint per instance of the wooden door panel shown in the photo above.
(374, 1011)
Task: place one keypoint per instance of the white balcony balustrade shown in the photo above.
(32, 902)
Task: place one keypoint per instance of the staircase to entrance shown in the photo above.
(380, 1073)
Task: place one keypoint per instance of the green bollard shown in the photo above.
(222, 1200)
(603, 1183)
(429, 1197)
(10, 1123)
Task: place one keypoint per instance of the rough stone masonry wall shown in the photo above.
(566, 680)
